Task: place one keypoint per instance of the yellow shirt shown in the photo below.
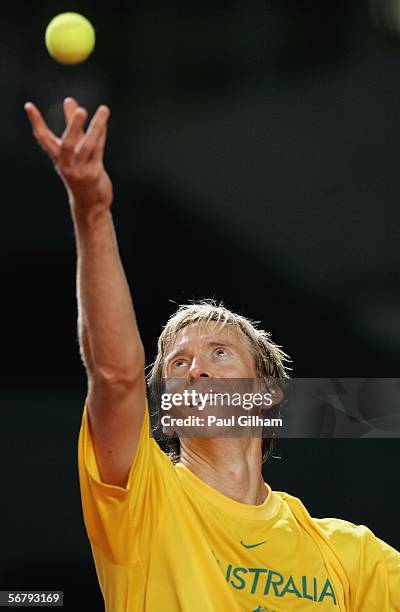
(170, 542)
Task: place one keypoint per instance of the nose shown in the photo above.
(197, 370)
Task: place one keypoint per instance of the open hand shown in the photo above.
(77, 155)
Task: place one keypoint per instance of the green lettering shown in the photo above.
(235, 573)
(274, 584)
(304, 585)
(228, 572)
(290, 587)
(257, 571)
(215, 556)
(327, 591)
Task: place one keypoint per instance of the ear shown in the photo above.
(168, 431)
(276, 392)
(272, 386)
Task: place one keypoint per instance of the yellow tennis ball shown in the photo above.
(70, 38)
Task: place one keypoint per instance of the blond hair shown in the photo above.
(269, 358)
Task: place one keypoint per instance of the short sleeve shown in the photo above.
(372, 566)
(120, 521)
(392, 563)
(378, 574)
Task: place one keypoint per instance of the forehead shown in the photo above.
(198, 334)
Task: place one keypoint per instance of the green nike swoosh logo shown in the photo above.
(252, 545)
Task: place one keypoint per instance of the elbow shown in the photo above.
(118, 376)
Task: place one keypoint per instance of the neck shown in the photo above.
(232, 466)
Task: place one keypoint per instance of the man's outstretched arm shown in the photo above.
(110, 343)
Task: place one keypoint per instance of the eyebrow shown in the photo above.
(222, 343)
(210, 343)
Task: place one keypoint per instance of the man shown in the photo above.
(203, 533)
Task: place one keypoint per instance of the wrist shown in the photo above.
(86, 218)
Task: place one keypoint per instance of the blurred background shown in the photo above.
(254, 149)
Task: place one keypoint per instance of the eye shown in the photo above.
(220, 352)
(179, 363)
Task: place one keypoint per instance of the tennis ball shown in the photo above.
(70, 38)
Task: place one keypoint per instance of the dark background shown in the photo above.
(254, 149)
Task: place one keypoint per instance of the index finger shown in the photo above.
(97, 125)
(41, 131)
(70, 105)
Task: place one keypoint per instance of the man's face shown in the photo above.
(217, 365)
(209, 352)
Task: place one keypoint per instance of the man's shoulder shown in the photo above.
(344, 533)
(340, 532)
(370, 566)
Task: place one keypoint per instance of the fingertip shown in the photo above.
(69, 99)
(105, 109)
(30, 110)
(81, 112)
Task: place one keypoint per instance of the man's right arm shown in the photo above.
(111, 348)
(110, 343)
